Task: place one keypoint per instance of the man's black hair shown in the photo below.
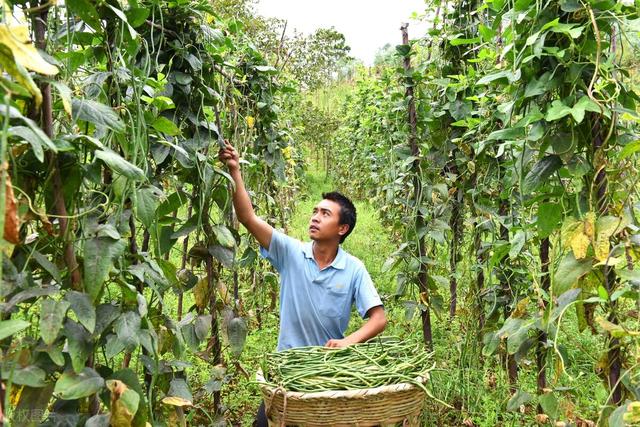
(347, 210)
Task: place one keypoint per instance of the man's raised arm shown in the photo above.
(259, 228)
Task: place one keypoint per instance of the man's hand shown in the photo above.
(230, 157)
(338, 343)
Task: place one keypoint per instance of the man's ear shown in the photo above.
(344, 228)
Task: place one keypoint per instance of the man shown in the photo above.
(319, 281)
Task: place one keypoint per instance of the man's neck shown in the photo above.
(324, 253)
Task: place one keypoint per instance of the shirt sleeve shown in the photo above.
(280, 248)
(366, 295)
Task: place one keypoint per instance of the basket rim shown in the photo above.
(338, 394)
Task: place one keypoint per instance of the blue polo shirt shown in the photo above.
(315, 305)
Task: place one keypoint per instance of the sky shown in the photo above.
(366, 24)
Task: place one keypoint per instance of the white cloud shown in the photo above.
(366, 24)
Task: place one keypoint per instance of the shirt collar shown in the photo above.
(339, 262)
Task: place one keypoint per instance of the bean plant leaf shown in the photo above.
(100, 420)
(81, 305)
(16, 38)
(52, 315)
(548, 218)
(31, 376)
(549, 404)
(164, 125)
(520, 398)
(127, 328)
(569, 271)
(224, 236)
(99, 253)
(97, 113)
(517, 243)
(79, 343)
(223, 254)
(146, 205)
(72, 386)
(86, 11)
(540, 172)
(49, 267)
(124, 403)
(118, 164)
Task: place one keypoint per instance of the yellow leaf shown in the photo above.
(616, 331)
(20, 75)
(251, 121)
(590, 225)
(568, 229)
(201, 293)
(176, 401)
(602, 247)
(579, 243)
(632, 414)
(124, 403)
(16, 38)
(521, 308)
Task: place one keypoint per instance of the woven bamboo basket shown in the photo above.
(381, 406)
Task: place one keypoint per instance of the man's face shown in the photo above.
(325, 222)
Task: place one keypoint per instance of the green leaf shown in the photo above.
(72, 386)
(518, 399)
(79, 344)
(630, 149)
(101, 420)
(179, 388)
(32, 376)
(517, 242)
(35, 137)
(99, 253)
(86, 11)
(557, 111)
(224, 236)
(540, 172)
(137, 15)
(510, 76)
(120, 14)
(569, 271)
(97, 113)
(549, 404)
(507, 134)
(52, 315)
(237, 333)
(461, 41)
(584, 104)
(81, 305)
(146, 203)
(224, 255)
(486, 33)
(47, 265)
(120, 165)
(127, 328)
(65, 95)
(12, 326)
(164, 125)
(403, 49)
(548, 218)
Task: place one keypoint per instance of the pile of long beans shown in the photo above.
(361, 366)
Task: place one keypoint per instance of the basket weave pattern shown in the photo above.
(385, 405)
